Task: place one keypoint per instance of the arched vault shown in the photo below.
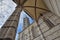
(33, 7)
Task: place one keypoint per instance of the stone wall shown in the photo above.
(43, 32)
(50, 33)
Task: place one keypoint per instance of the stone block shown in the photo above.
(54, 17)
(43, 25)
(47, 15)
(57, 21)
(53, 36)
(56, 28)
(40, 20)
(45, 29)
(39, 38)
(57, 38)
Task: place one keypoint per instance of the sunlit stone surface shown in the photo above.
(6, 9)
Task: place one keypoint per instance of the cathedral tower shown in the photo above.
(26, 22)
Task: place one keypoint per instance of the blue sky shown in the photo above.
(20, 25)
(23, 15)
(6, 9)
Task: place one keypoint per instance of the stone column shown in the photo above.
(11, 24)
